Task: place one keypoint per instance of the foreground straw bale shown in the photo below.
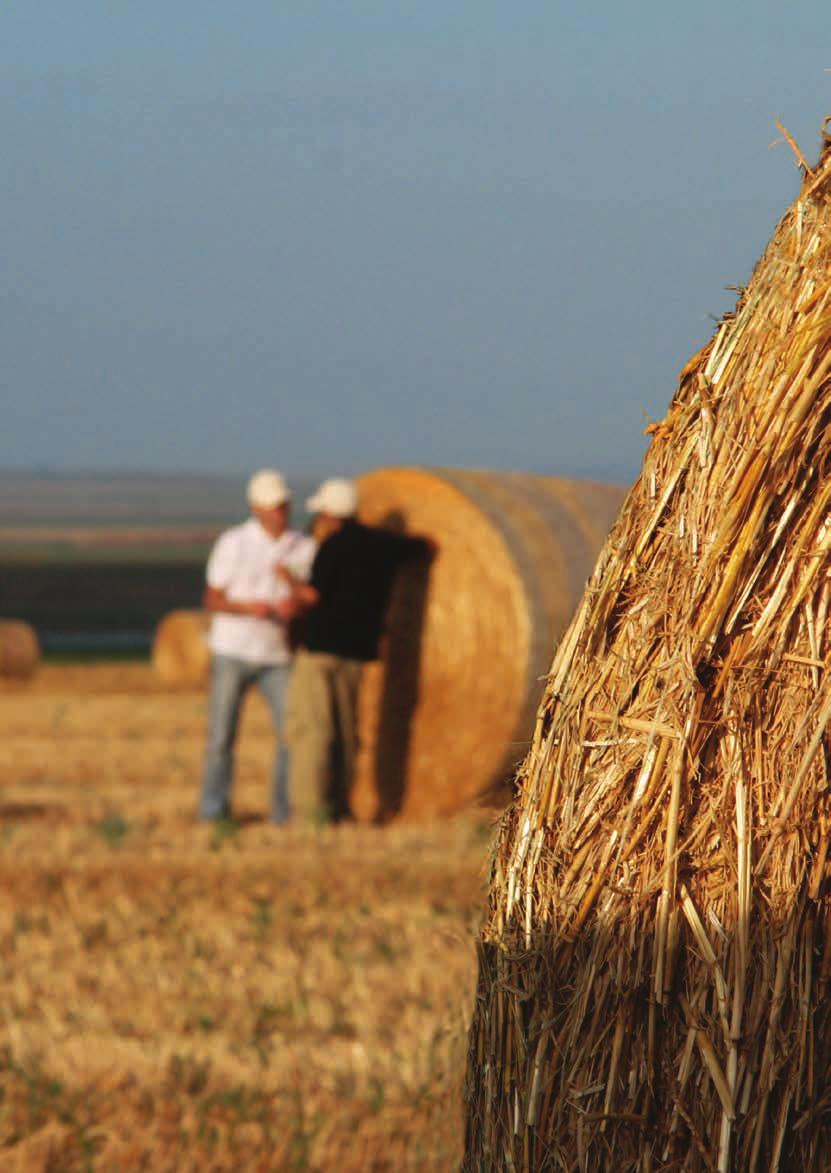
(19, 649)
(654, 971)
(449, 710)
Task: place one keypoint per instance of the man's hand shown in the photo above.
(285, 610)
(216, 600)
(303, 596)
(280, 612)
(285, 575)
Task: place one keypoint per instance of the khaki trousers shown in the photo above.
(322, 731)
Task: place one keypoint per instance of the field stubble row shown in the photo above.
(187, 997)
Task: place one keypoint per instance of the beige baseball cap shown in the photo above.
(267, 489)
(338, 497)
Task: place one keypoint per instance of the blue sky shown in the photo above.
(330, 236)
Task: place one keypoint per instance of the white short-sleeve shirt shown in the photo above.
(242, 565)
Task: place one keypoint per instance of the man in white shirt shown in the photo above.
(251, 606)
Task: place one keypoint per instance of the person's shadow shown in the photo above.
(402, 668)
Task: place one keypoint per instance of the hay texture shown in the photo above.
(450, 707)
(654, 968)
(180, 653)
(19, 649)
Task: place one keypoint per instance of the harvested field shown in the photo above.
(188, 997)
(100, 595)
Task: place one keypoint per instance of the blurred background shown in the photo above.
(93, 561)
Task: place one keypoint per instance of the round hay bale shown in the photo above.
(19, 649)
(180, 652)
(655, 963)
(449, 709)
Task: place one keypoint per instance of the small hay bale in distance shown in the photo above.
(449, 710)
(655, 965)
(19, 649)
(180, 653)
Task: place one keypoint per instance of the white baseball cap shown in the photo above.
(267, 489)
(337, 497)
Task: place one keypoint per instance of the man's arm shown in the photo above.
(215, 599)
(303, 595)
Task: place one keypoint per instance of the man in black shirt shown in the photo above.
(344, 605)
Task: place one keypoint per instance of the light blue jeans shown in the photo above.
(230, 680)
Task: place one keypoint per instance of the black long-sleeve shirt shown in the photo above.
(353, 573)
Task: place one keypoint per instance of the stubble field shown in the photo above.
(187, 997)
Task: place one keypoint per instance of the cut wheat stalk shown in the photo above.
(661, 881)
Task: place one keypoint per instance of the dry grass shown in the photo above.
(187, 997)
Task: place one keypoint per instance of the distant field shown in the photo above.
(106, 537)
(97, 596)
(118, 500)
(51, 544)
(101, 555)
(124, 502)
